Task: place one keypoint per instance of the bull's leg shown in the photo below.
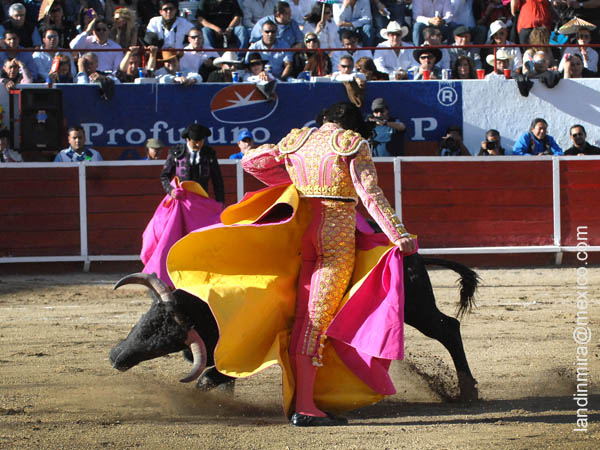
(446, 330)
(212, 378)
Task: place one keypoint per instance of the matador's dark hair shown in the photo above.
(349, 117)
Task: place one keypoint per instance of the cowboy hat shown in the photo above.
(167, 55)
(394, 27)
(437, 54)
(496, 26)
(500, 54)
(227, 58)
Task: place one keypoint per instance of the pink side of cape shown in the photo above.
(172, 220)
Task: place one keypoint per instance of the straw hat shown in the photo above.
(167, 55)
(500, 54)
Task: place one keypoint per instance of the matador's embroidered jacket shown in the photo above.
(330, 163)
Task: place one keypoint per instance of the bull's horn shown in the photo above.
(149, 280)
(196, 344)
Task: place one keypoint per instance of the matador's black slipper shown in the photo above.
(302, 420)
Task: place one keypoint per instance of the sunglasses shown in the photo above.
(269, 31)
(256, 63)
(577, 134)
(426, 57)
(168, 8)
(311, 40)
(345, 67)
(101, 29)
(379, 110)
(196, 36)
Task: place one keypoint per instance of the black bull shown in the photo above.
(160, 331)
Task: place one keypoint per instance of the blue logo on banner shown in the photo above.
(241, 103)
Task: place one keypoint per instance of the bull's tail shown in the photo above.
(469, 280)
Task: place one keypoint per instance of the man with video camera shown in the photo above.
(492, 145)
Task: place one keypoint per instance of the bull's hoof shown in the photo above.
(468, 390)
(213, 379)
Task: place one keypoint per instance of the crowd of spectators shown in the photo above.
(288, 35)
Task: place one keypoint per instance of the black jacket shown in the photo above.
(178, 163)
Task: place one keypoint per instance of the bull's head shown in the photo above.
(162, 330)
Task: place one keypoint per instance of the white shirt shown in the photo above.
(165, 77)
(387, 61)
(192, 61)
(43, 62)
(107, 61)
(462, 11)
(328, 37)
(359, 15)
(173, 38)
(300, 10)
(423, 10)
(515, 52)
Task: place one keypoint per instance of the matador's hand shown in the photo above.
(406, 244)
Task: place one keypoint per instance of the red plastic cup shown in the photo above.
(427, 74)
(507, 74)
(480, 74)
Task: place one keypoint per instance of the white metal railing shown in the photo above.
(556, 247)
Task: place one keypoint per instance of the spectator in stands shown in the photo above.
(10, 43)
(226, 65)
(501, 62)
(427, 59)
(254, 10)
(532, 14)
(326, 29)
(462, 36)
(154, 149)
(29, 35)
(167, 30)
(433, 36)
(85, 16)
(89, 72)
(573, 67)
(366, 66)
(464, 69)
(130, 65)
(288, 30)
(350, 41)
(56, 19)
(452, 143)
(77, 151)
(256, 73)
(95, 37)
(300, 9)
(387, 134)
(492, 146)
(171, 72)
(580, 145)
(280, 62)
(390, 61)
(65, 71)
(536, 66)
(124, 30)
(198, 59)
(146, 11)
(112, 6)
(588, 10)
(14, 72)
(222, 24)
(538, 36)
(7, 154)
(354, 83)
(318, 64)
(589, 55)
(355, 15)
(498, 36)
(435, 13)
(245, 143)
(193, 161)
(462, 14)
(43, 60)
(537, 141)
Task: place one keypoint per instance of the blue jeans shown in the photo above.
(396, 13)
(240, 38)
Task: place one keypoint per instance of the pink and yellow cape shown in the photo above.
(247, 270)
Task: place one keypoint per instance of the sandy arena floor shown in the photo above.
(58, 389)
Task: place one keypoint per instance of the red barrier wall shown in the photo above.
(467, 203)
